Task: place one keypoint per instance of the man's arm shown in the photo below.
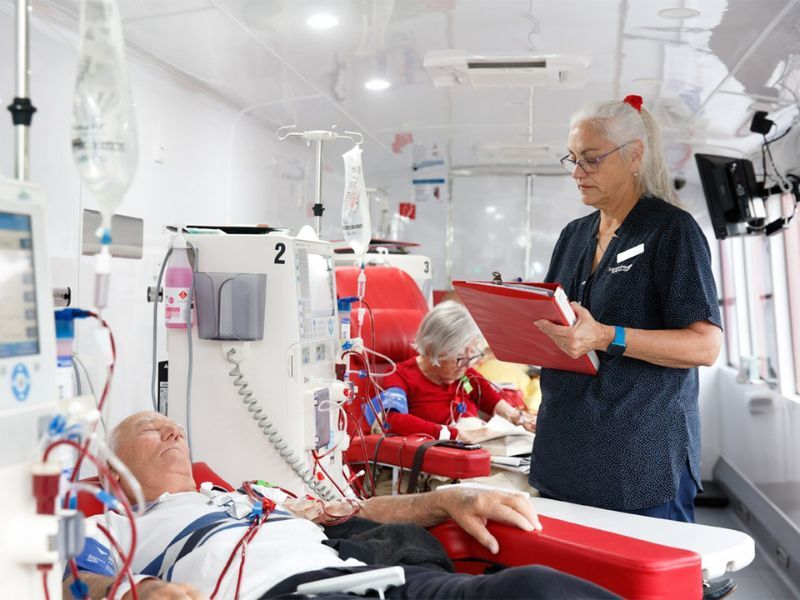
(471, 509)
(148, 589)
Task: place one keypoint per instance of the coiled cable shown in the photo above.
(268, 429)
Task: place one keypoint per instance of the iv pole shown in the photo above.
(21, 108)
(318, 136)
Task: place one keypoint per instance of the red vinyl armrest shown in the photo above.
(627, 566)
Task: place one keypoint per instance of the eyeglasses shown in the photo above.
(465, 361)
(587, 165)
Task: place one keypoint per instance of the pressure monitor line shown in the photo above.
(272, 434)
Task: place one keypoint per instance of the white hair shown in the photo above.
(112, 439)
(445, 331)
(621, 123)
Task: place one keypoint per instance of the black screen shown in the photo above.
(728, 184)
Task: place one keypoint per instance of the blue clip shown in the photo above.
(73, 502)
(56, 425)
(461, 407)
(108, 499)
(257, 511)
(79, 589)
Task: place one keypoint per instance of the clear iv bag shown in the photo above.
(356, 225)
(103, 123)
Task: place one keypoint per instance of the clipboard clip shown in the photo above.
(496, 277)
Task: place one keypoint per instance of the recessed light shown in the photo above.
(377, 84)
(678, 13)
(322, 21)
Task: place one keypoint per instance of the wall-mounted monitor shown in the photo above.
(729, 185)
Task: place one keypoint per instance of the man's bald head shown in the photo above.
(154, 448)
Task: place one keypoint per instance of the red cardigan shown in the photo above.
(430, 404)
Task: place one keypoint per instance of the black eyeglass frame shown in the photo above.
(594, 163)
(465, 361)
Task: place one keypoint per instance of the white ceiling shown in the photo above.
(703, 76)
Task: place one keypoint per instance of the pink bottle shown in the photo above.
(178, 281)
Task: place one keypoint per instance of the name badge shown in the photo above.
(630, 253)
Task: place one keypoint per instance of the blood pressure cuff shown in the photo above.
(393, 398)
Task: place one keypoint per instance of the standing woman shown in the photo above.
(638, 270)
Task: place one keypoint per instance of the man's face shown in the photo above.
(154, 448)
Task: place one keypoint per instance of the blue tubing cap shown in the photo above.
(70, 314)
(79, 589)
(343, 304)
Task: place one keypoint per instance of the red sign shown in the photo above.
(408, 210)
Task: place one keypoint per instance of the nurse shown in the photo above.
(638, 270)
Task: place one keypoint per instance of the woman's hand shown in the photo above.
(473, 436)
(515, 415)
(581, 337)
(527, 420)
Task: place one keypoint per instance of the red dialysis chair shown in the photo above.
(627, 566)
(397, 307)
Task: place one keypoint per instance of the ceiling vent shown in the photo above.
(516, 152)
(458, 68)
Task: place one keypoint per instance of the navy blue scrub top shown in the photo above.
(620, 439)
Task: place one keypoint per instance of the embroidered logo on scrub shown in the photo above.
(622, 268)
(625, 255)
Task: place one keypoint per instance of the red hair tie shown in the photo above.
(634, 101)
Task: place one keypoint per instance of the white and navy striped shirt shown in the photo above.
(186, 539)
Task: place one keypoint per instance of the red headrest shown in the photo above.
(397, 304)
(89, 505)
(387, 287)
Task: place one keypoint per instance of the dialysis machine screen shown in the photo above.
(320, 285)
(317, 294)
(19, 328)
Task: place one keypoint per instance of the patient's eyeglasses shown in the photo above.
(587, 165)
(466, 361)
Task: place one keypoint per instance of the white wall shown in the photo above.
(218, 168)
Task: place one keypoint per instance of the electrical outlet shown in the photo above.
(743, 512)
(782, 557)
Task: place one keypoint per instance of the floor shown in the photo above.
(761, 580)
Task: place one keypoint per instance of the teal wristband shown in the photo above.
(617, 347)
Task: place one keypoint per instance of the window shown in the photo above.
(762, 304)
(791, 239)
(729, 307)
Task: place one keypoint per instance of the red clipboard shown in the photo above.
(505, 314)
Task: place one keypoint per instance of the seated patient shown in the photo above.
(184, 540)
(430, 392)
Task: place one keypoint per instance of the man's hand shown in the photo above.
(582, 336)
(156, 589)
(472, 509)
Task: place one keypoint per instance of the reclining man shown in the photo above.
(185, 540)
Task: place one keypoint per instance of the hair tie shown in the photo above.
(634, 101)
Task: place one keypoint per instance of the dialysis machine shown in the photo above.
(264, 402)
(416, 265)
(27, 392)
